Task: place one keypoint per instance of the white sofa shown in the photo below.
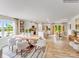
(74, 45)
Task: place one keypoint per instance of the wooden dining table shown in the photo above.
(24, 37)
(31, 39)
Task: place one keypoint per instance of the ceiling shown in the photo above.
(39, 10)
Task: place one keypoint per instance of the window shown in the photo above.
(7, 28)
(0, 28)
(58, 28)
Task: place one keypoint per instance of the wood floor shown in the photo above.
(60, 50)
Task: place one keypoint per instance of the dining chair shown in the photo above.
(41, 34)
(21, 45)
(11, 43)
(41, 43)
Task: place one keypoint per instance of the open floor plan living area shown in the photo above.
(39, 28)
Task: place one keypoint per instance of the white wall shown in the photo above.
(40, 27)
(72, 22)
(29, 24)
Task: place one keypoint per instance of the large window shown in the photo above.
(58, 28)
(0, 29)
(7, 28)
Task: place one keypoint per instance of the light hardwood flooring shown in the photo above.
(60, 49)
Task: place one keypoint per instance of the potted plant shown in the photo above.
(0, 29)
(30, 30)
(26, 31)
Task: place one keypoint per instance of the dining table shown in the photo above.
(31, 39)
(24, 37)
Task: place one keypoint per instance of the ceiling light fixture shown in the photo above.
(71, 1)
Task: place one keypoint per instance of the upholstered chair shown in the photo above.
(21, 45)
(11, 43)
(41, 43)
